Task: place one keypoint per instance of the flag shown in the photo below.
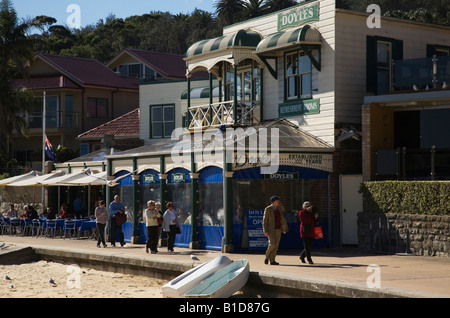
(49, 151)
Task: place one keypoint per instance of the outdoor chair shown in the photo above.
(50, 227)
(69, 226)
(36, 228)
(4, 226)
(27, 227)
(14, 226)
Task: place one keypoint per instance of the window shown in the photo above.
(97, 107)
(162, 120)
(380, 52)
(298, 76)
(384, 58)
(248, 82)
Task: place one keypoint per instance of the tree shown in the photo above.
(275, 5)
(16, 52)
(229, 10)
(252, 9)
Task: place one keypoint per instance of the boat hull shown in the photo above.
(223, 283)
(180, 285)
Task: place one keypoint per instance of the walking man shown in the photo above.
(273, 224)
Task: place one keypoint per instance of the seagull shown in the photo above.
(194, 258)
(7, 277)
(11, 286)
(444, 85)
(415, 88)
(51, 281)
(2, 244)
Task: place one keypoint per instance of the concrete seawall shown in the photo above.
(260, 284)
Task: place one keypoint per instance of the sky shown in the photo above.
(90, 11)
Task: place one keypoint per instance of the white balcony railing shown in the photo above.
(222, 113)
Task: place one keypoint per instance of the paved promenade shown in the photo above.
(341, 272)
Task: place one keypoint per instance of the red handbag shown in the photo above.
(318, 233)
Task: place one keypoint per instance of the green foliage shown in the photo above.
(436, 11)
(406, 197)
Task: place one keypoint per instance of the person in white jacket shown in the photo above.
(171, 225)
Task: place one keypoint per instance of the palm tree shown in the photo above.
(16, 52)
(252, 9)
(275, 5)
(229, 10)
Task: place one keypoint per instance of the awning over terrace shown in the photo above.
(232, 48)
(306, 35)
(83, 178)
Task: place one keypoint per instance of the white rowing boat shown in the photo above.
(180, 285)
(223, 283)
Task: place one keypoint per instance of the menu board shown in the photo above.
(256, 238)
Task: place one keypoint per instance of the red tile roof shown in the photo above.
(124, 126)
(88, 72)
(166, 64)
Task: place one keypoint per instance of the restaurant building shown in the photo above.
(288, 90)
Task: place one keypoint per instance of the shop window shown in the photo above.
(97, 107)
(297, 76)
(162, 120)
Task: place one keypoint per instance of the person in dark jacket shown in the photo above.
(308, 219)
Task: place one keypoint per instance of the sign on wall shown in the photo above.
(300, 107)
(256, 238)
(298, 16)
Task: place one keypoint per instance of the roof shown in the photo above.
(124, 126)
(87, 72)
(242, 38)
(167, 64)
(291, 138)
(44, 82)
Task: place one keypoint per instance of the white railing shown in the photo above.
(222, 113)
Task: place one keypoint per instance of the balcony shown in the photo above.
(222, 113)
(413, 164)
(432, 73)
(54, 120)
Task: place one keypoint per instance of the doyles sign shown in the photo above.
(298, 16)
(256, 238)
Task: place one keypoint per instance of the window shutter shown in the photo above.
(371, 64)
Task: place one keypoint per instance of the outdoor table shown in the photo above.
(88, 226)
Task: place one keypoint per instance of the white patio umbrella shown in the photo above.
(37, 180)
(30, 175)
(66, 179)
(94, 179)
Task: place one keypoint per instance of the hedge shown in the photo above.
(406, 197)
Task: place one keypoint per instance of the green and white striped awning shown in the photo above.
(202, 92)
(243, 38)
(286, 39)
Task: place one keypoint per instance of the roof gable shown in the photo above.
(87, 72)
(168, 65)
(124, 126)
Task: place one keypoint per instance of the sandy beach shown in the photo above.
(32, 281)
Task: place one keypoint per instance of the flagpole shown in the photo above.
(44, 119)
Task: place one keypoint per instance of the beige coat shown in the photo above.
(269, 221)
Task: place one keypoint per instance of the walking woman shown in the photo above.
(171, 225)
(151, 220)
(308, 222)
(101, 217)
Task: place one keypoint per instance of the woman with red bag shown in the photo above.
(308, 221)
